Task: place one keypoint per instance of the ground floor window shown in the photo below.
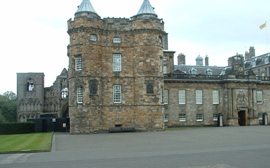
(215, 117)
(199, 117)
(117, 94)
(166, 118)
(182, 117)
(260, 116)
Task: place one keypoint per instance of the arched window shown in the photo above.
(64, 93)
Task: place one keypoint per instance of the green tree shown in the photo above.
(8, 107)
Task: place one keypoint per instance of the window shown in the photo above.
(166, 118)
(198, 96)
(80, 94)
(164, 69)
(199, 117)
(266, 60)
(182, 97)
(117, 94)
(116, 40)
(93, 37)
(209, 72)
(215, 117)
(182, 117)
(166, 97)
(193, 71)
(260, 116)
(117, 62)
(30, 85)
(64, 93)
(164, 58)
(78, 63)
(150, 87)
(259, 97)
(215, 97)
(93, 87)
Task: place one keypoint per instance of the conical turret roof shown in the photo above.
(146, 8)
(86, 6)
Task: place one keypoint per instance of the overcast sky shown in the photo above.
(34, 32)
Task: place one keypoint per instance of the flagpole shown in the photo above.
(267, 43)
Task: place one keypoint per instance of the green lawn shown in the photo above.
(26, 142)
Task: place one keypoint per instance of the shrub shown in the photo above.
(17, 128)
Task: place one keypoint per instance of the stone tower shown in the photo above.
(115, 70)
(181, 59)
(30, 92)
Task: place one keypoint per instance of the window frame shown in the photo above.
(117, 62)
(259, 94)
(117, 40)
(80, 95)
(199, 97)
(166, 118)
(166, 96)
(215, 117)
(182, 93)
(181, 118)
(78, 63)
(199, 117)
(117, 94)
(95, 37)
(215, 96)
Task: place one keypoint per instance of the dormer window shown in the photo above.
(193, 71)
(254, 63)
(209, 72)
(116, 40)
(93, 37)
(266, 59)
(30, 85)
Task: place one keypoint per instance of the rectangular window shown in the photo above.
(182, 97)
(260, 116)
(198, 96)
(116, 40)
(117, 62)
(215, 117)
(259, 97)
(182, 117)
(166, 97)
(93, 37)
(78, 63)
(164, 69)
(215, 97)
(117, 94)
(199, 117)
(166, 118)
(80, 94)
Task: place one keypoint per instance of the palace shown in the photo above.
(122, 75)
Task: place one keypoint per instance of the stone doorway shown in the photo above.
(242, 118)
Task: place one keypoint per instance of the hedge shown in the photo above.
(17, 128)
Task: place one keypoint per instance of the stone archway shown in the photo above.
(242, 118)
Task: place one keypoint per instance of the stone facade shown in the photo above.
(115, 52)
(33, 99)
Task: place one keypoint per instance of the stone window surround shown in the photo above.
(150, 87)
(182, 118)
(117, 40)
(259, 97)
(166, 118)
(93, 37)
(78, 62)
(215, 117)
(199, 96)
(166, 97)
(117, 62)
(182, 96)
(215, 96)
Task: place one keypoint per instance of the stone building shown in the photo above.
(33, 99)
(122, 75)
(115, 70)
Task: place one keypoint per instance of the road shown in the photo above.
(227, 147)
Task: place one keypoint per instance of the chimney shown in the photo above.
(181, 59)
(206, 60)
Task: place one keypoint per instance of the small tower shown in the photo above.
(181, 59)
(206, 60)
(199, 61)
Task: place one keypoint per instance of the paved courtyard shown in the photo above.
(227, 147)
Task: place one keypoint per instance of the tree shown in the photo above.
(8, 107)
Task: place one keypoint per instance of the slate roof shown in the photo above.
(259, 61)
(146, 8)
(86, 6)
(200, 69)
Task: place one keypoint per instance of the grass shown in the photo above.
(36, 142)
